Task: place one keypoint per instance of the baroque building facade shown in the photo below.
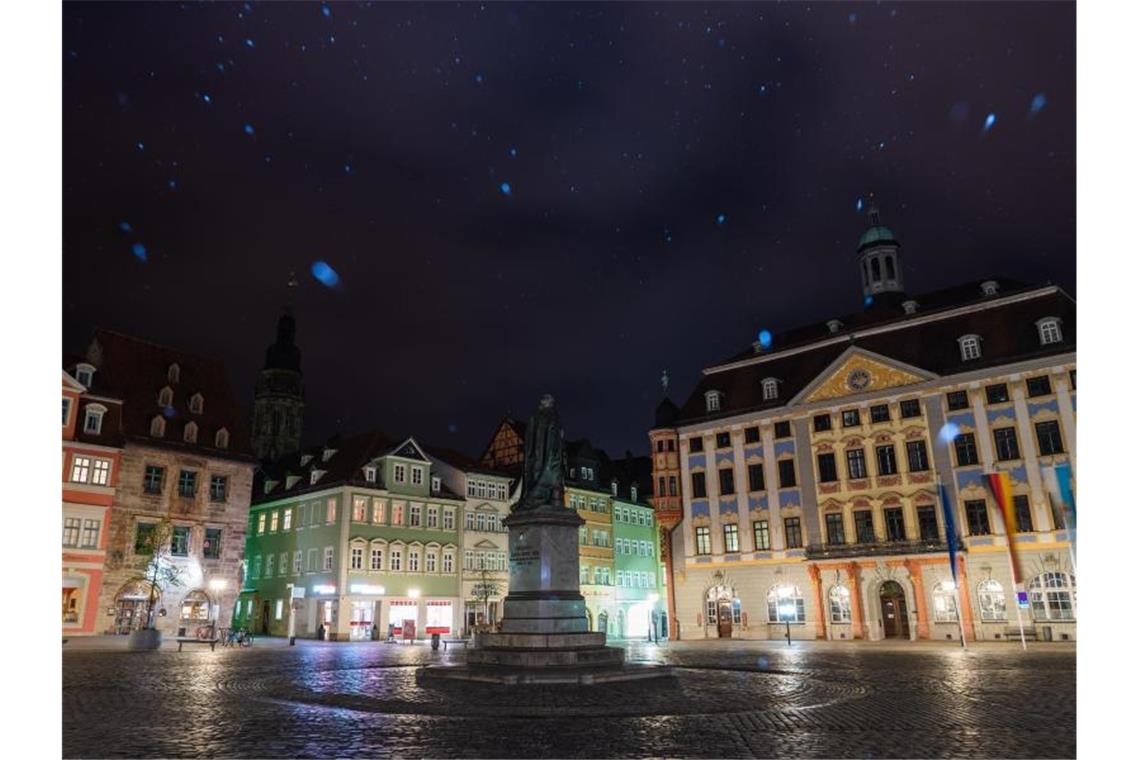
(809, 468)
(186, 462)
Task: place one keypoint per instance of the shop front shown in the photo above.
(193, 612)
(131, 607)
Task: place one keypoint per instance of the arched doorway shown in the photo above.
(896, 621)
(194, 610)
(130, 607)
(603, 621)
(723, 609)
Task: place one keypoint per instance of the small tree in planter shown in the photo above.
(159, 573)
(484, 590)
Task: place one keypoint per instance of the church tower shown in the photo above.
(879, 262)
(279, 396)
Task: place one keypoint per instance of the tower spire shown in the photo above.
(873, 210)
(665, 381)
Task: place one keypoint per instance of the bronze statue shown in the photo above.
(545, 462)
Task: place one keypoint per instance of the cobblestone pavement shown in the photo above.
(728, 699)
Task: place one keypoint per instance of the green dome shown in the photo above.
(875, 236)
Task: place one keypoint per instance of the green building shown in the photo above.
(353, 539)
(638, 588)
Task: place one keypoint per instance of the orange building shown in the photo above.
(92, 449)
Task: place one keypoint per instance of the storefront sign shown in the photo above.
(323, 589)
(364, 588)
(298, 592)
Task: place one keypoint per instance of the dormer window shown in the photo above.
(315, 475)
(989, 288)
(712, 401)
(165, 396)
(270, 485)
(305, 459)
(327, 454)
(196, 403)
(1049, 329)
(834, 326)
(173, 373)
(633, 492)
(190, 432)
(157, 426)
(613, 487)
(370, 474)
(93, 418)
(436, 485)
(84, 374)
(910, 307)
(771, 391)
(291, 480)
(971, 347)
(222, 439)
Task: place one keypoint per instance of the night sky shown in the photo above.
(519, 199)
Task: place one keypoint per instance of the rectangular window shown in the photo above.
(752, 435)
(760, 535)
(401, 473)
(885, 459)
(834, 529)
(330, 511)
(977, 518)
(696, 444)
(273, 520)
(377, 512)
(856, 464)
(864, 526)
(356, 558)
(414, 515)
(997, 394)
(1023, 514)
(297, 562)
(916, 459)
(850, 417)
(448, 562)
(80, 469)
(66, 410)
(261, 523)
(927, 524)
(218, 485)
(827, 471)
(255, 569)
(787, 468)
(723, 440)
(269, 566)
(1038, 386)
(731, 540)
(417, 476)
(144, 538)
(783, 429)
(278, 609)
(101, 472)
(152, 479)
(880, 413)
(430, 562)
(957, 400)
(180, 541)
(909, 408)
(311, 561)
(727, 486)
(287, 518)
(792, 532)
(328, 558)
(187, 483)
(821, 422)
(1005, 440)
(433, 517)
(704, 542)
(71, 532)
(212, 544)
(376, 561)
(896, 529)
(965, 449)
(359, 509)
(283, 564)
(672, 485)
(1049, 438)
(699, 485)
(755, 477)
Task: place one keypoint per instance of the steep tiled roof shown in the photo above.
(1007, 327)
(135, 370)
(461, 461)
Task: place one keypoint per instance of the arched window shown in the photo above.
(839, 600)
(890, 261)
(785, 603)
(770, 388)
(991, 600)
(84, 374)
(1053, 596)
(222, 439)
(866, 276)
(196, 606)
(945, 603)
(971, 346)
(190, 433)
(196, 402)
(1049, 330)
(876, 272)
(165, 396)
(93, 418)
(158, 426)
(712, 401)
(173, 373)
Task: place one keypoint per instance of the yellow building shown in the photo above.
(810, 466)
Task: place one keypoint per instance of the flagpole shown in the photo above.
(1000, 486)
(951, 526)
(1017, 605)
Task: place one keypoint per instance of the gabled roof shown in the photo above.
(926, 340)
(135, 370)
(462, 462)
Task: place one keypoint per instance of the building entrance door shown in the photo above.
(724, 618)
(896, 622)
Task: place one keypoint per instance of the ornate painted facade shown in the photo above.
(809, 467)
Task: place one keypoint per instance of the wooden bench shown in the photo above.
(464, 642)
(1014, 634)
(192, 640)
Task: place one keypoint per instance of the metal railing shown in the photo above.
(921, 546)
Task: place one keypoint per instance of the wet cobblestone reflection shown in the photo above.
(731, 699)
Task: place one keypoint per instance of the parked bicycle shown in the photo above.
(239, 637)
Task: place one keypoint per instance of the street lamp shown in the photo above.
(787, 608)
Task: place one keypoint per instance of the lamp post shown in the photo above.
(787, 609)
(292, 604)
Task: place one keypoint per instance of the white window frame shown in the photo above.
(1049, 330)
(370, 474)
(166, 396)
(80, 469)
(771, 389)
(197, 403)
(66, 410)
(970, 347)
(328, 559)
(101, 472)
(1057, 584)
(158, 426)
(712, 401)
(173, 373)
(93, 418)
(417, 476)
(222, 439)
(400, 473)
(944, 602)
(190, 433)
(356, 558)
(84, 374)
(991, 600)
(448, 563)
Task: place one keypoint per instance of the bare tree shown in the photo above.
(156, 569)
